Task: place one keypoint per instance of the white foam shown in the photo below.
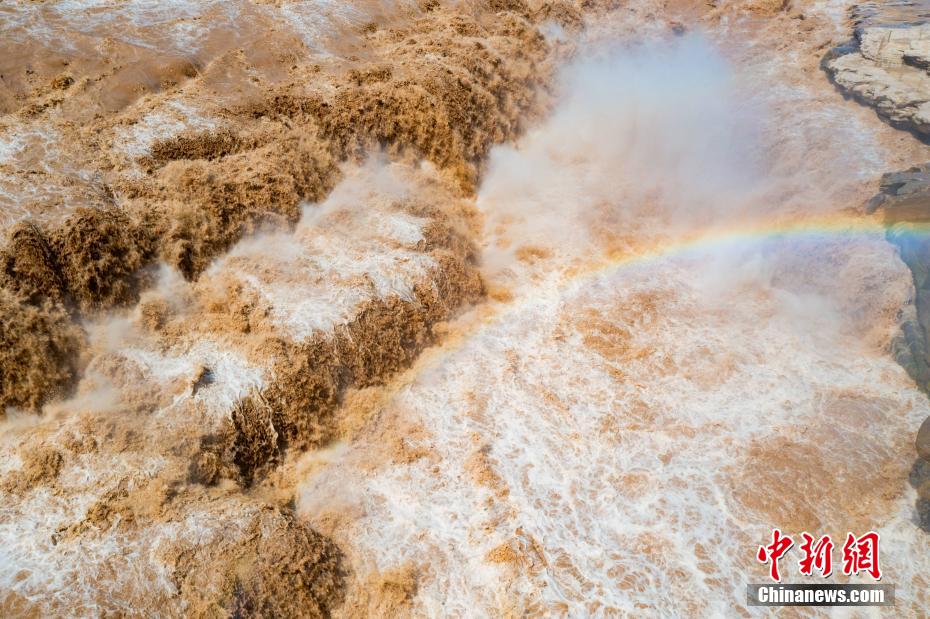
(144, 23)
(317, 20)
(35, 566)
(619, 411)
(356, 246)
(231, 376)
(166, 122)
(10, 144)
(101, 569)
(32, 170)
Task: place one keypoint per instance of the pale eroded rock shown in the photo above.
(886, 68)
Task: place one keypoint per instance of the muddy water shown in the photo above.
(682, 343)
(91, 85)
(125, 488)
(686, 347)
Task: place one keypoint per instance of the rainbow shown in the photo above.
(842, 225)
(744, 234)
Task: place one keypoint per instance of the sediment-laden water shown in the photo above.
(478, 309)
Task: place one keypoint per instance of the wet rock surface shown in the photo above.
(887, 66)
(904, 200)
(249, 303)
(890, 13)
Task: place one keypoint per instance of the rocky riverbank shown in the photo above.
(887, 66)
(390, 308)
(904, 200)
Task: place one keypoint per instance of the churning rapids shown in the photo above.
(691, 344)
(643, 319)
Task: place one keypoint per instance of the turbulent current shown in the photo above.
(656, 386)
(448, 309)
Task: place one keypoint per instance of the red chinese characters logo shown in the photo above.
(817, 556)
(860, 554)
(774, 551)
